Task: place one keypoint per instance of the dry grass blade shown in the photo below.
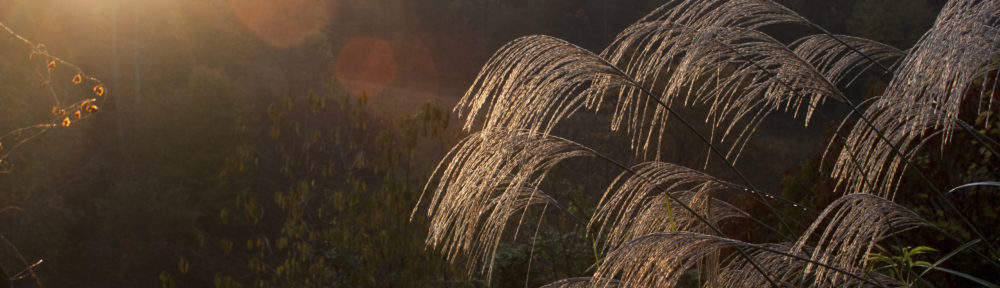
(489, 178)
(926, 92)
(634, 204)
(846, 231)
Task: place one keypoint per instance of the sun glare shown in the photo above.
(366, 65)
(282, 24)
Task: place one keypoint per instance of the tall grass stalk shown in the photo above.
(714, 55)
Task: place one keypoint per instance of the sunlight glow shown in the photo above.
(366, 65)
(284, 23)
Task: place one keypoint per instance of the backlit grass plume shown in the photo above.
(847, 230)
(492, 178)
(657, 222)
(925, 94)
(635, 204)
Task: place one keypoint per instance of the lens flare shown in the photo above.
(365, 65)
(284, 23)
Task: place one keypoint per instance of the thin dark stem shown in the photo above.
(701, 137)
(28, 266)
(959, 241)
(979, 136)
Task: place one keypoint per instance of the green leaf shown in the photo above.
(922, 250)
(879, 258)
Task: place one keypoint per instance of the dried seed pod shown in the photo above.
(77, 78)
(56, 111)
(66, 122)
(99, 90)
(52, 64)
(91, 108)
(77, 114)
